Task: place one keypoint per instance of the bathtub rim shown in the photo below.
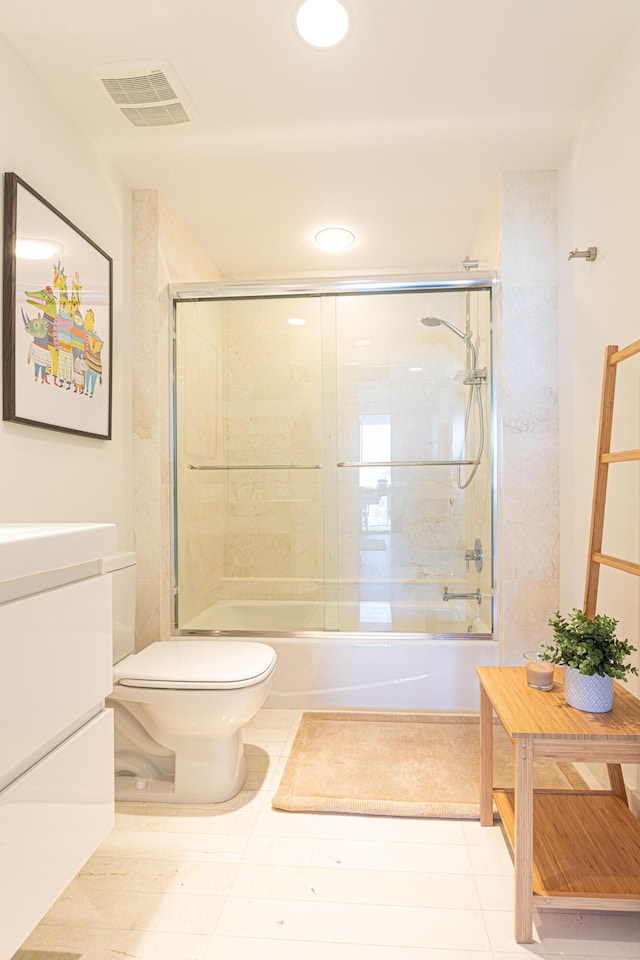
(336, 636)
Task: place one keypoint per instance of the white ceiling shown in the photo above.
(399, 133)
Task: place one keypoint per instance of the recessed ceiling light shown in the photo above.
(30, 248)
(415, 369)
(322, 23)
(296, 322)
(335, 238)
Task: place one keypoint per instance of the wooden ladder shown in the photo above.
(596, 559)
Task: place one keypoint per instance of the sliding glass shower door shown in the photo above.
(332, 463)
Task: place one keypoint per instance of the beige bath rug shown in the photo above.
(400, 765)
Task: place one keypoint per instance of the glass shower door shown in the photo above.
(249, 483)
(412, 498)
(332, 466)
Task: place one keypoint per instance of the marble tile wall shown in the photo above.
(518, 239)
(163, 252)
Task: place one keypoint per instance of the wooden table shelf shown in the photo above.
(584, 845)
(573, 849)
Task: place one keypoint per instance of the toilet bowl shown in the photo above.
(179, 708)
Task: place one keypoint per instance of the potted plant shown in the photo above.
(592, 657)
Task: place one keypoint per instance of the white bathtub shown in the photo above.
(367, 670)
(374, 673)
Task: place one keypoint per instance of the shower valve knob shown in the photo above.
(477, 555)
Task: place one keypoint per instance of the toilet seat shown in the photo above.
(197, 665)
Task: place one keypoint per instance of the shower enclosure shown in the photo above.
(333, 458)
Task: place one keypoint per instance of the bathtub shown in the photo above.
(368, 670)
(376, 673)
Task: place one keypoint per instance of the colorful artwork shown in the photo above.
(59, 375)
(65, 345)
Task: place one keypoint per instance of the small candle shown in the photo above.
(539, 675)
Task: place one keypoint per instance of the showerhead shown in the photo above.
(436, 322)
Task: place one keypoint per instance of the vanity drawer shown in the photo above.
(51, 821)
(55, 668)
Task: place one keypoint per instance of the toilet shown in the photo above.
(179, 706)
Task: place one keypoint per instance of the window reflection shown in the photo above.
(375, 482)
(375, 521)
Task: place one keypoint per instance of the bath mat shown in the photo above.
(400, 765)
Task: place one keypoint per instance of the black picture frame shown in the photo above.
(58, 290)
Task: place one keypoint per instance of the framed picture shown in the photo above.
(57, 319)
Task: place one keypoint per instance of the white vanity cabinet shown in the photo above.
(56, 737)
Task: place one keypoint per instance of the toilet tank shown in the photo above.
(122, 567)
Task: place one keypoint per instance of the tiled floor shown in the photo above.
(240, 881)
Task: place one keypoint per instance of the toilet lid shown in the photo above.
(197, 665)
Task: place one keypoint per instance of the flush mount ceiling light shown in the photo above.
(322, 23)
(335, 238)
(30, 248)
(296, 322)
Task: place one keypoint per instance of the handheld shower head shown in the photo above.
(436, 322)
(472, 377)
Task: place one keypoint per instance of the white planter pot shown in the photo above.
(591, 694)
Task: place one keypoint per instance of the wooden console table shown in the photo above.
(573, 850)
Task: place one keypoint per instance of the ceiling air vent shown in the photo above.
(147, 94)
(162, 115)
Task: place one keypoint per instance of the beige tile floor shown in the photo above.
(240, 881)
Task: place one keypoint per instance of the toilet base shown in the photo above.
(207, 770)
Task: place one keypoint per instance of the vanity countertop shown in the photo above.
(29, 549)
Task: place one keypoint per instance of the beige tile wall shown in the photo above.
(163, 252)
(518, 238)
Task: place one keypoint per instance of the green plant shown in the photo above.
(590, 646)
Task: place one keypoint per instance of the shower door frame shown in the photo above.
(328, 286)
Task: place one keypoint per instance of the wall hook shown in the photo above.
(589, 254)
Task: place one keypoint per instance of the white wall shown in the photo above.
(47, 475)
(599, 205)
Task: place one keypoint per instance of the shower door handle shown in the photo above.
(477, 596)
(257, 466)
(407, 463)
